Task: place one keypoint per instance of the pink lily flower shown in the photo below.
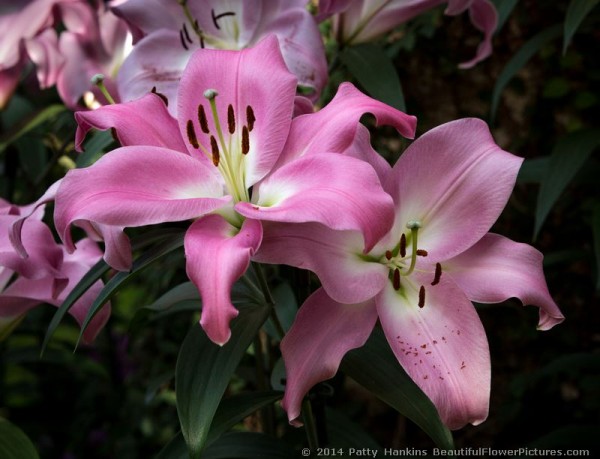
(360, 21)
(449, 187)
(97, 48)
(171, 36)
(233, 158)
(92, 43)
(45, 274)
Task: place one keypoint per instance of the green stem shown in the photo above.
(309, 425)
(267, 414)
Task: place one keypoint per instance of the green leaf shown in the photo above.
(376, 73)
(234, 409)
(375, 367)
(112, 286)
(504, 8)
(248, 445)
(344, 433)
(596, 231)
(14, 444)
(90, 278)
(576, 13)
(533, 170)
(94, 147)
(569, 154)
(231, 411)
(518, 61)
(204, 370)
(96, 272)
(30, 123)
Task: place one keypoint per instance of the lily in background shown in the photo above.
(449, 187)
(360, 21)
(42, 271)
(93, 41)
(233, 158)
(170, 31)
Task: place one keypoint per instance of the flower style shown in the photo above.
(233, 158)
(360, 21)
(45, 274)
(449, 187)
(173, 30)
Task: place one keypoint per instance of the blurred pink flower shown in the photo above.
(170, 37)
(93, 42)
(41, 271)
(449, 187)
(360, 21)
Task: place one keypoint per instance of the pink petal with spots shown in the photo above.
(442, 346)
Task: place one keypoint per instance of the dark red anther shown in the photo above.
(422, 297)
(437, 275)
(191, 133)
(182, 40)
(396, 279)
(250, 118)
(202, 119)
(216, 18)
(245, 141)
(230, 119)
(388, 254)
(403, 245)
(422, 253)
(215, 150)
(162, 96)
(186, 33)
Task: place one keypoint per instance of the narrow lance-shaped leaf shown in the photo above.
(569, 154)
(504, 8)
(113, 285)
(204, 370)
(231, 411)
(576, 13)
(518, 61)
(14, 444)
(376, 73)
(30, 123)
(249, 445)
(95, 273)
(375, 367)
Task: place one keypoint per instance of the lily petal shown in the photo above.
(238, 78)
(333, 128)
(136, 186)
(338, 191)
(335, 256)
(456, 181)
(496, 269)
(322, 333)
(217, 255)
(156, 61)
(484, 17)
(144, 121)
(442, 346)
